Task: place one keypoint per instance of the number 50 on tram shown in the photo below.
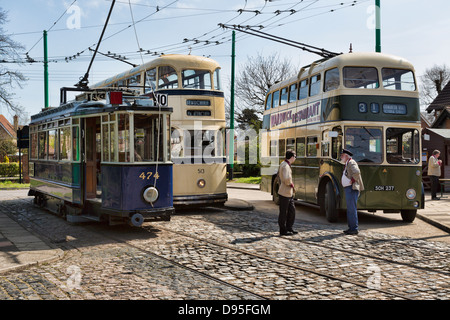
(364, 102)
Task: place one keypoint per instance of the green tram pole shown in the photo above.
(377, 26)
(231, 151)
(45, 70)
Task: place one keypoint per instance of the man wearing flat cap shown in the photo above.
(353, 185)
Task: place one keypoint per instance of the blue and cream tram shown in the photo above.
(103, 162)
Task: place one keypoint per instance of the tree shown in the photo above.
(248, 118)
(258, 75)
(433, 81)
(9, 78)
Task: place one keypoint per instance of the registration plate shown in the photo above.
(384, 188)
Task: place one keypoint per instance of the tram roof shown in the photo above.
(356, 59)
(176, 60)
(78, 108)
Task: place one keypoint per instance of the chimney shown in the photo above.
(16, 123)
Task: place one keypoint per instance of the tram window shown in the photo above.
(52, 145)
(300, 147)
(293, 92)
(196, 79)
(315, 85)
(216, 79)
(112, 143)
(276, 99)
(64, 143)
(75, 143)
(134, 82)
(303, 90)
(311, 147)
(290, 144)
(398, 79)
(168, 78)
(284, 96)
(402, 145)
(150, 80)
(105, 140)
(360, 77)
(331, 80)
(34, 146)
(123, 147)
(199, 143)
(269, 101)
(146, 129)
(365, 143)
(42, 145)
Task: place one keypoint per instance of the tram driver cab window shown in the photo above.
(146, 139)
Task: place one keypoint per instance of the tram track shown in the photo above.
(373, 241)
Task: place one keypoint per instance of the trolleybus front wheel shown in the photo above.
(328, 203)
(408, 215)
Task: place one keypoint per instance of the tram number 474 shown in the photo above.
(146, 175)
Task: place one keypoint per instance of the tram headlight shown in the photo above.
(411, 194)
(201, 183)
(150, 194)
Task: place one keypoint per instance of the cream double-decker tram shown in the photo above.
(193, 89)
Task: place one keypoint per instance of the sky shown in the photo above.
(412, 29)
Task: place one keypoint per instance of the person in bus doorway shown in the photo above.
(286, 192)
(434, 171)
(353, 185)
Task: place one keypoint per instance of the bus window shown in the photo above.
(315, 85)
(336, 143)
(311, 147)
(167, 78)
(293, 92)
(196, 79)
(216, 79)
(398, 79)
(276, 99)
(303, 90)
(402, 145)
(290, 144)
(150, 80)
(360, 78)
(273, 148)
(331, 80)
(300, 147)
(281, 147)
(365, 143)
(325, 144)
(284, 96)
(269, 101)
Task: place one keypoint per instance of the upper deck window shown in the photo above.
(167, 78)
(217, 79)
(196, 79)
(293, 92)
(331, 80)
(398, 79)
(269, 101)
(276, 99)
(284, 96)
(361, 78)
(315, 85)
(303, 89)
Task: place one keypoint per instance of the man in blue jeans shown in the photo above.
(353, 185)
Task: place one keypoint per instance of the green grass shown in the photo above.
(252, 180)
(13, 185)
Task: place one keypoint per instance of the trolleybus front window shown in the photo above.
(365, 143)
(361, 77)
(402, 145)
(398, 79)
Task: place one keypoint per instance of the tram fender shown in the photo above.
(324, 178)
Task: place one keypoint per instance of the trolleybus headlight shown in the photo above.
(411, 194)
(418, 173)
(201, 183)
(150, 194)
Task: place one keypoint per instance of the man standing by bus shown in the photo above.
(286, 192)
(353, 185)
(434, 171)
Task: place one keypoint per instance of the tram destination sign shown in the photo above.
(300, 115)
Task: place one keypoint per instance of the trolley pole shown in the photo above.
(45, 70)
(231, 152)
(377, 26)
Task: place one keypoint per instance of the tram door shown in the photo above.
(92, 157)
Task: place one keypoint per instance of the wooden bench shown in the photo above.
(444, 183)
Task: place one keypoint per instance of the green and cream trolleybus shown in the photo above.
(365, 102)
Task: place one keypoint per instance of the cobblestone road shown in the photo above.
(224, 255)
